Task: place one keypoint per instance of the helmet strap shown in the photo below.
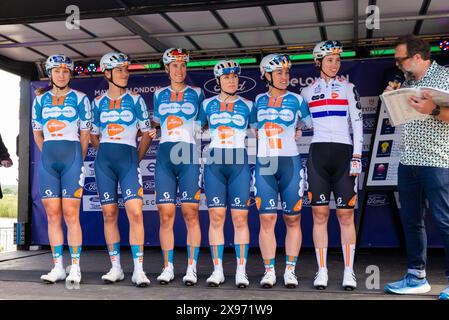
(230, 94)
(270, 82)
(112, 81)
(319, 65)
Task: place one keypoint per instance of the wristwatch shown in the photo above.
(435, 112)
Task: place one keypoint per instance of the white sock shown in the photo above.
(348, 255)
(321, 258)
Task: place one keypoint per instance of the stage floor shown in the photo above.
(20, 277)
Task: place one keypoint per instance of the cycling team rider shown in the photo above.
(278, 169)
(226, 172)
(118, 115)
(61, 120)
(177, 165)
(335, 107)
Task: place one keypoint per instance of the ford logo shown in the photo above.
(245, 84)
(148, 185)
(94, 199)
(377, 200)
(91, 152)
(368, 124)
(91, 187)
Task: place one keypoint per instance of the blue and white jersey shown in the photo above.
(277, 120)
(176, 113)
(228, 121)
(61, 118)
(119, 120)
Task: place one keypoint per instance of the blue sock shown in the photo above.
(137, 251)
(241, 253)
(75, 254)
(217, 255)
(192, 256)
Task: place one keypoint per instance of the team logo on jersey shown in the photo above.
(55, 112)
(114, 129)
(334, 95)
(225, 118)
(186, 108)
(272, 114)
(114, 116)
(174, 122)
(55, 125)
(272, 129)
(225, 132)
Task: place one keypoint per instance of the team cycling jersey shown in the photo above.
(277, 120)
(61, 118)
(332, 105)
(228, 121)
(119, 120)
(176, 112)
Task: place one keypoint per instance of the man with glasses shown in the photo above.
(424, 163)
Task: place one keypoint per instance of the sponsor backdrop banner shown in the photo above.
(378, 230)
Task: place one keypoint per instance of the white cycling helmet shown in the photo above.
(226, 67)
(58, 61)
(275, 61)
(175, 54)
(326, 48)
(113, 60)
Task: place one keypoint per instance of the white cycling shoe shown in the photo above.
(114, 275)
(268, 280)
(290, 279)
(166, 276)
(139, 279)
(216, 278)
(55, 275)
(73, 279)
(321, 279)
(241, 279)
(349, 281)
(190, 279)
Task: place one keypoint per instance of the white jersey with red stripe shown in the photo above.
(333, 105)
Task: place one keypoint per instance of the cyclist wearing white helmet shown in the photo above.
(61, 120)
(175, 110)
(118, 115)
(278, 167)
(227, 175)
(333, 103)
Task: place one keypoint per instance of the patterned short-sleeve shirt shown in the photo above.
(425, 142)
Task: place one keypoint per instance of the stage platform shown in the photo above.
(20, 277)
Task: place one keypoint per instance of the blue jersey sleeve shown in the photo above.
(85, 114)
(253, 116)
(95, 119)
(202, 116)
(156, 115)
(305, 113)
(36, 118)
(143, 118)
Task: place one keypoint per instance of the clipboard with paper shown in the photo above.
(401, 112)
